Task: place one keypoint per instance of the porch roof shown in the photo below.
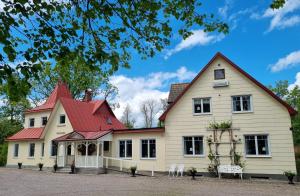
(27, 134)
(75, 135)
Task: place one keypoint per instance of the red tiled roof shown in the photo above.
(27, 134)
(291, 110)
(60, 90)
(175, 90)
(85, 118)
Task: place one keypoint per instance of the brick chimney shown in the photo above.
(88, 95)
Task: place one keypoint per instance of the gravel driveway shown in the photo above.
(28, 182)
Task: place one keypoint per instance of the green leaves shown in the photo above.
(105, 32)
(276, 4)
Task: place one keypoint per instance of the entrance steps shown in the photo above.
(64, 170)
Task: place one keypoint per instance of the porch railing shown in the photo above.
(124, 164)
(89, 161)
(60, 161)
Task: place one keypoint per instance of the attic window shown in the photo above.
(219, 74)
(62, 119)
(108, 121)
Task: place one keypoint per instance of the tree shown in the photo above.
(77, 75)
(164, 104)
(104, 32)
(149, 109)
(292, 97)
(127, 118)
(276, 4)
(7, 128)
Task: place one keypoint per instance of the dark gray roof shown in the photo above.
(176, 89)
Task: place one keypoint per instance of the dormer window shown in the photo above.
(62, 119)
(219, 74)
(108, 121)
(31, 122)
(44, 121)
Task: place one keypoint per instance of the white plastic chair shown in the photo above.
(180, 169)
(172, 169)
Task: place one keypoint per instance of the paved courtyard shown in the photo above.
(28, 182)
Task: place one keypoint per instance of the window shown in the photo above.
(42, 149)
(44, 121)
(31, 122)
(16, 150)
(193, 145)
(201, 105)
(53, 148)
(62, 119)
(241, 103)
(31, 149)
(106, 146)
(257, 145)
(149, 148)
(219, 74)
(108, 121)
(125, 148)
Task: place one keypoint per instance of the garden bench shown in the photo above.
(230, 169)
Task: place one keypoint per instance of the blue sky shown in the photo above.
(265, 43)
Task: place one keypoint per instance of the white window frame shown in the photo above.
(42, 120)
(59, 119)
(141, 151)
(193, 145)
(202, 113)
(42, 149)
(14, 155)
(215, 74)
(50, 153)
(241, 102)
(125, 140)
(30, 121)
(29, 150)
(269, 155)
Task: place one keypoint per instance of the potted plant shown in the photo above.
(40, 166)
(133, 170)
(55, 167)
(20, 165)
(290, 175)
(193, 172)
(73, 168)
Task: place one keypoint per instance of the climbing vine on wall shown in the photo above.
(215, 140)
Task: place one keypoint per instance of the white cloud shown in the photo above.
(291, 60)
(135, 90)
(296, 83)
(283, 17)
(198, 38)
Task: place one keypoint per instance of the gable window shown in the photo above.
(44, 120)
(219, 74)
(62, 119)
(125, 148)
(16, 150)
(202, 105)
(193, 145)
(42, 149)
(53, 148)
(31, 149)
(106, 146)
(241, 103)
(149, 148)
(257, 145)
(31, 122)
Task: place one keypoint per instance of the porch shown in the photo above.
(84, 154)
